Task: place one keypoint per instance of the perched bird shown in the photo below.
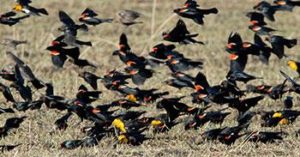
(23, 6)
(128, 17)
(191, 11)
(230, 134)
(264, 137)
(88, 16)
(180, 34)
(9, 19)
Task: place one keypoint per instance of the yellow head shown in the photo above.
(277, 115)
(18, 7)
(156, 123)
(119, 124)
(122, 139)
(293, 65)
(132, 98)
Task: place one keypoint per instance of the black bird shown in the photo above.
(265, 137)
(90, 78)
(267, 9)
(191, 11)
(23, 6)
(230, 134)
(256, 18)
(9, 19)
(287, 5)
(88, 16)
(180, 34)
(278, 43)
(4, 148)
(70, 31)
(6, 93)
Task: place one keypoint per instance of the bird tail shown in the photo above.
(108, 20)
(210, 11)
(43, 11)
(291, 43)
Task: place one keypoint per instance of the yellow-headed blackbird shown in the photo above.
(294, 65)
(23, 6)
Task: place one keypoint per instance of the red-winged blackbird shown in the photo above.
(90, 78)
(128, 17)
(182, 64)
(191, 11)
(230, 134)
(256, 18)
(200, 119)
(211, 134)
(25, 71)
(70, 31)
(88, 16)
(287, 5)
(23, 6)
(261, 30)
(139, 75)
(264, 137)
(267, 9)
(85, 96)
(278, 43)
(59, 54)
(8, 19)
(180, 80)
(124, 103)
(161, 51)
(294, 65)
(234, 43)
(173, 107)
(113, 79)
(180, 34)
(8, 74)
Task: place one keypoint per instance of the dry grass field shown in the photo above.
(39, 31)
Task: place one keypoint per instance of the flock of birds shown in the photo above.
(116, 119)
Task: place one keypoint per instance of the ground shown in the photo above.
(39, 31)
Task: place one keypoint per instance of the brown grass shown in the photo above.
(34, 132)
